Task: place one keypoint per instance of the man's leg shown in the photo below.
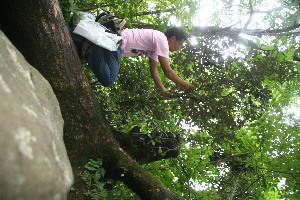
(77, 39)
(105, 64)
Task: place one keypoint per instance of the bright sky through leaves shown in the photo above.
(210, 8)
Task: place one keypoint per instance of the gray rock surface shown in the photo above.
(33, 159)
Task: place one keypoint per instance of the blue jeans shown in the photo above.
(105, 64)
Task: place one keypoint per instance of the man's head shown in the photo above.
(176, 37)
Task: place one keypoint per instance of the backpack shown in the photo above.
(111, 22)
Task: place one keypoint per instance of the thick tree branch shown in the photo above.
(251, 15)
(253, 12)
(212, 31)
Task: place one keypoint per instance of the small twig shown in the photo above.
(291, 173)
(142, 100)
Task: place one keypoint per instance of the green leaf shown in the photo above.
(290, 55)
(267, 48)
(152, 142)
(258, 42)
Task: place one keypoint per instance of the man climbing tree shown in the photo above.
(135, 42)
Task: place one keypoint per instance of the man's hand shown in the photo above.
(166, 94)
(188, 87)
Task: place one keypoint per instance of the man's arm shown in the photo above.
(169, 72)
(157, 80)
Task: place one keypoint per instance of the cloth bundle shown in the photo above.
(97, 34)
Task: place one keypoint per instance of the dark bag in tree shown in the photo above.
(111, 22)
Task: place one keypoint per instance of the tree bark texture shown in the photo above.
(38, 30)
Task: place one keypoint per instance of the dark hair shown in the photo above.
(179, 33)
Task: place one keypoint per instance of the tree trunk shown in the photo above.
(38, 30)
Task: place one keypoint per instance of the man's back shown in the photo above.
(148, 42)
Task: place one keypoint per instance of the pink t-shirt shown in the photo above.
(148, 42)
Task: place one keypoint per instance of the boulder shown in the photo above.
(34, 162)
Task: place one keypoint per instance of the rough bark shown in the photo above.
(37, 29)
